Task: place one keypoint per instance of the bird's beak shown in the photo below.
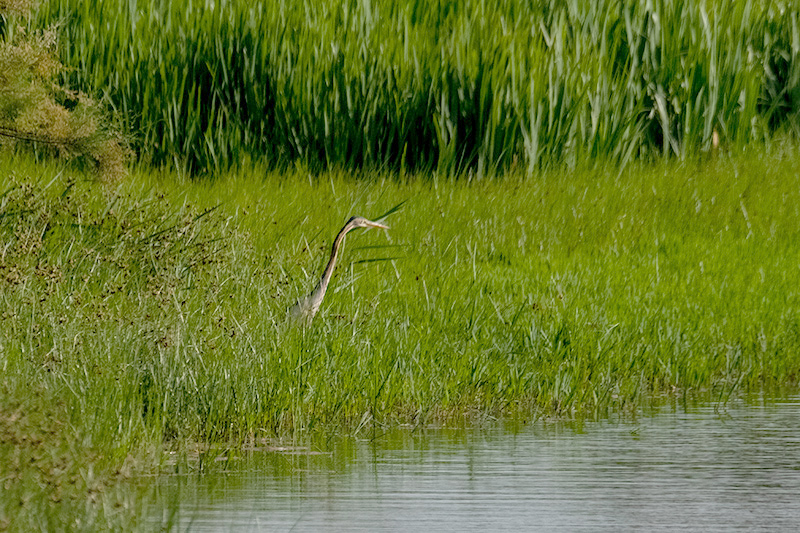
(376, 225)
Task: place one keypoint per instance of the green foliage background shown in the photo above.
(435, 84)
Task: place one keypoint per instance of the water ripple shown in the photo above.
(679, 470)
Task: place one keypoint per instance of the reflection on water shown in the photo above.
(693, 469)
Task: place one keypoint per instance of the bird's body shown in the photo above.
(307, 307)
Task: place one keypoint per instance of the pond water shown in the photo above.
(692, 469)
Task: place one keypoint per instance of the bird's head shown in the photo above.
(361, 222)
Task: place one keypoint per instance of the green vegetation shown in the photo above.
(153, 311)
(435, 84)
(36, 111)
(590, 273)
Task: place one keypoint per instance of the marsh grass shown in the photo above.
(435, 85)
(153, 312)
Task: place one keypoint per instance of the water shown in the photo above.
(692, 469)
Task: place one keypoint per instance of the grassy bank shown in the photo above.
(434, 84)
(153, 311)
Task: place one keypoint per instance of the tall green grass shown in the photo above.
(454, 86)
(153, 312)
(165, 311)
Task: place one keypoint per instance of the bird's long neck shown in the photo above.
(322, 286)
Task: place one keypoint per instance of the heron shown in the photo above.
(307, 307)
